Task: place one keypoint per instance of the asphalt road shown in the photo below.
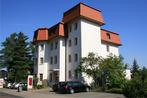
(5, 95)
(46, 93)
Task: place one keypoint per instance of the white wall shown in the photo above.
(73, 49)
(43, 68)
(53, 53)
(90, 41)
(62, 59)
(112, 49)
(90, 38)
(128, 74)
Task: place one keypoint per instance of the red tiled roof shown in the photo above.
(114, 37)
(84, 11)
(80, 10)
(45, 34)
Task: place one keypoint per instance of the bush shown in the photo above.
(39, 86)
(45, 83)
(98, 89)
(134, 89)
(115, 90)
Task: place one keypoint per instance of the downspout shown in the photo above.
(66, 36)
(65, 59)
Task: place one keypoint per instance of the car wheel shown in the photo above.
(72, 91)
(87, 89)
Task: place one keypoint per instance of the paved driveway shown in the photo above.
(5, 95)
(45, 93)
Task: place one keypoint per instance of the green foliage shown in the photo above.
(35, 81)
(135, 69)
(89, 66)
(137, 86)
(15, 56)
(39, 87)
(114, 68)
(106, 72)
(45, 83)
(134, 89)
(115, 90)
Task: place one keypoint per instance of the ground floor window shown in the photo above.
(76, 75)
(41, 60)
(51, 77)
(69, 74)
(41, 77)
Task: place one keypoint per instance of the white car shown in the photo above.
(9, 85)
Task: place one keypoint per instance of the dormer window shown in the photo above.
(108, 35)
(70, 28)
(51, 47)
(75, 26)
(56, 45)
(107, 48)
(42, 47)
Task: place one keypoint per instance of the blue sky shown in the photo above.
(126, 17)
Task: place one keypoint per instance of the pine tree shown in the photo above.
(135, 69)
(16, 56)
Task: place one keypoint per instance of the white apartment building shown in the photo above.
(60, 48)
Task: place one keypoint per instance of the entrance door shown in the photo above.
(56, 76)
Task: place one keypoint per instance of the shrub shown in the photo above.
(39, 86)
(145, 93)
(45, 83)
(134, 89)
(115, 90)
(35, 80)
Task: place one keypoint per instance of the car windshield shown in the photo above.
(62, 83)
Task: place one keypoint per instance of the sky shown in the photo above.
(126, 17)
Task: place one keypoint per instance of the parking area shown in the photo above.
(47, 93)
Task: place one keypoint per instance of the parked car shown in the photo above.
(56, 86)
(9, 85)
(15, 85)
(71, 87)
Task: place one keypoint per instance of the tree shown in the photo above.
(16, 56)
(104, 71)
(144, 75)
(135, 69)
(89, 65)
(114, 68)
(137, 86)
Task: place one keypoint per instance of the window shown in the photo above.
(108, 35)
(56, 45)
(69, 58)
(55, 60)
(75, 26)
(70, 28)
(51, 46)
(41, 77)
(76, 57)
(41, 60)
(69, 74)
(76, 75)
(76, 41)
(69, 43)
(51, 60)
(51, 77)
(42, 47)
(36, 61)
(36, 48)
(107, 47)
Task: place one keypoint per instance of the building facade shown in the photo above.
(58, 49)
